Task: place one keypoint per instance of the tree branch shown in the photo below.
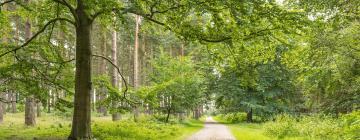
(1, 4)
(37, 34)
(118, 70)
(68, 5)
(216, 40)
(6, 101)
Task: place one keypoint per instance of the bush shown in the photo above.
(233, 117)
(351, 123)
(282, 127)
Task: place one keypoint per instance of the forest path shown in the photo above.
(212, 131)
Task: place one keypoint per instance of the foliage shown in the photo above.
(314, 127)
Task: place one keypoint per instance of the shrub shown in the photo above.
(315, 127)
(351, 124)
(282, 126)
(233, 117)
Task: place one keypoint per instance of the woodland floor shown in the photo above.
(52, 127)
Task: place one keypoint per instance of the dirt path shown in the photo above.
(212, 131)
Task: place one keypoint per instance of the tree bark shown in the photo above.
(4, 105)
(168, 115)
(49, 101)
(13, 102)
(103, 91)
(136, 51)
(29, 101)
(114, 80)
(1, 112)
(38, 109)
(81, 126)
(136, 63)
(249, 116)
(30, 111)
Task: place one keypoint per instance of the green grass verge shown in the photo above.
(51, 127)
(250, 131)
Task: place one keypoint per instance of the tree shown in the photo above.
(114, 77)
(30, 101)
(136, 62)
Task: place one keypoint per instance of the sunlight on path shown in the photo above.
(212, 131)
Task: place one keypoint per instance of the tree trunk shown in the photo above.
(1, 112)
(49, 102)
(168, 115)
(103, 91)
(182, 49)
(38, 109)
(249, 116)
(81, 125)
(114, 80)
(136, 51)
(4, 105)
(30, 111)
(136, 63)
(13, 102)
(29, 101)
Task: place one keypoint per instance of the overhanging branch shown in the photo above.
(37, 34)
(68, 5)
(118, 70)
(1, 4)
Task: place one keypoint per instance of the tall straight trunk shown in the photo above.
(136, 52)
(114, 80)
(29, 101)
(168, 115)
(182, 49)
(103, 91)
(81, 125)
(49, 101)
(38, 109)
(30, 111)
(1, 112)
(249, 115)
(143, 61)
(136, 63)
(13, 102)
(4, 105)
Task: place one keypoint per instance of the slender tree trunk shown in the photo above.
(103, 91)
(1, 112)
(182, 49)
(136, 63)
(38, 109)
(168, 115)
(30, 111)
(13, 102)
(114, 80)
(249, 115)
(4, 105)
(29, 101)
(81, 124)
(49, 102)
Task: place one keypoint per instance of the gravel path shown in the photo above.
(212, 131)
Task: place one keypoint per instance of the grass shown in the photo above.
(250, 131)
(189, 127)
(52, 127)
